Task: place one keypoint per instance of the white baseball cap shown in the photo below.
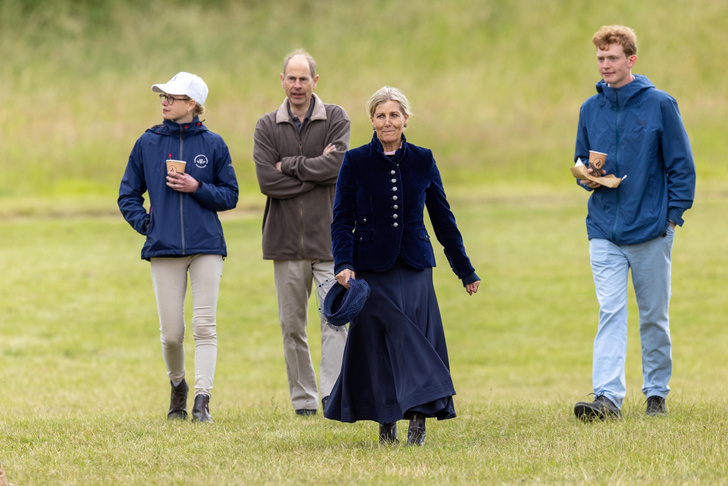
(186, 84)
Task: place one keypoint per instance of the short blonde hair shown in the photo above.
(198, 110)
(387, 93)
(616, 34)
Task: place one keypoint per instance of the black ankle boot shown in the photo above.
(178, 401)
(416, 432)
(388, 433)
(201, 409)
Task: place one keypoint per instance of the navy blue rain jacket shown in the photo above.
(179, 224)
(640, 129)
(379, 212)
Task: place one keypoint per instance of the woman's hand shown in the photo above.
(182, 182)
(343, 277)
(472, 288)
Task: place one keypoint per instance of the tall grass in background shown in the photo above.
(496, 85)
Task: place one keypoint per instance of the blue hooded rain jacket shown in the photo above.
(640, 129)
(179, 224)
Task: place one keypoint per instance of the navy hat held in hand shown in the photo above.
(341, 306)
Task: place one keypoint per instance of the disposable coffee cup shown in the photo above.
(596, 162)
(176, 166)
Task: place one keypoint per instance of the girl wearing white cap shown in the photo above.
(183, 233)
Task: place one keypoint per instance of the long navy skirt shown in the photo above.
(395, 361)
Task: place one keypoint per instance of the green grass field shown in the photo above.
(84, 391)
(496, 87)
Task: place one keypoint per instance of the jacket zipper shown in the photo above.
(616, 165)
(300, 202)
(181, 197)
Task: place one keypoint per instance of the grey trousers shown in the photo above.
(169, 276)
(293, 281)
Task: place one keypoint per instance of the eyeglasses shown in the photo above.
(170, 99)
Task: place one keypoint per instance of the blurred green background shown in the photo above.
(495, 84)
(496, 87)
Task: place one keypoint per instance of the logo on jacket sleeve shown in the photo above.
(201, 161)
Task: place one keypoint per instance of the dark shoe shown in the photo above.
(416, 432)
(601, 408)
(656, 406)
(201, 409)
(178, 401)
(306, 411)
(388, 433)
(324, 401)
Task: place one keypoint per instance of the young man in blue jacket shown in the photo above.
(632, 226)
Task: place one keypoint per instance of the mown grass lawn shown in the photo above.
(496, 88)
(84, 390)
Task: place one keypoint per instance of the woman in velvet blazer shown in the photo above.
(395, 362)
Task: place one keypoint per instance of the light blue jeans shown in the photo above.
(650, 263)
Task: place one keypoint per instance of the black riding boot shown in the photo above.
(178, 401)
(388, 433)
(416, 433)
(201, 409)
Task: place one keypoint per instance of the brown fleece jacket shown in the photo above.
(297, 218)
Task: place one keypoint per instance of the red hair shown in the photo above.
(616, 34)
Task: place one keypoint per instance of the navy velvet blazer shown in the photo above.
(379, 212)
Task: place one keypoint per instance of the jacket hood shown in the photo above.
(169, 127)
(622, 95)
